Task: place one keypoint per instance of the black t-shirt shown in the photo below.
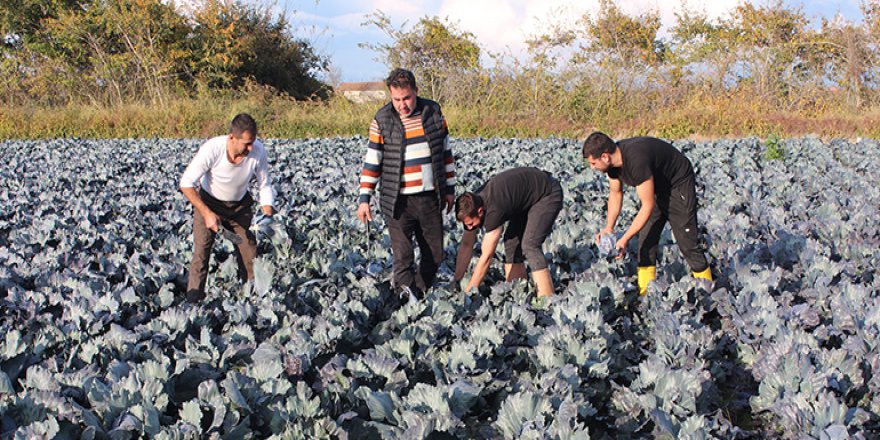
(512, 192)
(644, 157)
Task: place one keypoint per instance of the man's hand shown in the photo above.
(363, 213)
(212, 221)
(621, 247)
(603, 232)
(471, 287)
(465, 252)
(268, 210)
(487, 247)
(448, 202)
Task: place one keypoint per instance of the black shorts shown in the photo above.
(525, 234)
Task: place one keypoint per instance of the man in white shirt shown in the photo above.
(222, 170)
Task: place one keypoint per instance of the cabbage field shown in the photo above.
(97, 343)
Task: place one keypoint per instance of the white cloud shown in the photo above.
(500, 24)
(495, 23)
(339, 24)
(347, 17)
(400, 11)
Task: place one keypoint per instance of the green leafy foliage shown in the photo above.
(112, 52)
(775, 150)
(98, 342)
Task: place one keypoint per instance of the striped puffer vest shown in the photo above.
(394, 135)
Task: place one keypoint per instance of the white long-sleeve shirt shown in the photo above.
(211, 170)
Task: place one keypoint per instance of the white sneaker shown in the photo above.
(407, 295)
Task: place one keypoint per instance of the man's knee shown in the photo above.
(435, 246)
(535, 256)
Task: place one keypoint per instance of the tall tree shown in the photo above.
(117, 50)
(235, 42)
(113, 51)
(842, 55)
(630, 40)
(702, 47)
(771, 39)
(434, 49)
(21, 20)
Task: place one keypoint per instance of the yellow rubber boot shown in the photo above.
(706, 275)
(646, 275)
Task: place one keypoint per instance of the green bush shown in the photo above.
(774, 149)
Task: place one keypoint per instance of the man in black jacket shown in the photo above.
(408, 156)
(664, 182)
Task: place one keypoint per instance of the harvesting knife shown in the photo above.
(229, 235)
(373, 268)
(367, 230)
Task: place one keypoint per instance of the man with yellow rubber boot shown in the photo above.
(664, 182)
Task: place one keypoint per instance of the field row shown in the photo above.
(95, 242)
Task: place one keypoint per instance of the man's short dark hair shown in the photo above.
(241, 123)
(466, 205)
(401, 79)
(598, 143)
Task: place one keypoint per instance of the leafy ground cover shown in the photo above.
(96, 342)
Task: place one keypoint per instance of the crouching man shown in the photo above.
(664, 182)
(222, 169)
(528, 200)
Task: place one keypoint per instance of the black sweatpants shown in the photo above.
(679, 208)
(525, 234)
(416, 216)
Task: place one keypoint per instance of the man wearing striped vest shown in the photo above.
(408, 156)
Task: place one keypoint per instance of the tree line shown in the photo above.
(766, 68)
(617, 67)
(108, 52)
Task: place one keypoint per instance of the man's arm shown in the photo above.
(267, 193)
(615, 202)
(465, 252)
(193, 173)
(449, 164)
(490, 242)
(371, 172)
(645, 191)
(212, 222)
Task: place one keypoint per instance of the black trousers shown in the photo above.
(525, 234)
(416, 216)
(679, 208)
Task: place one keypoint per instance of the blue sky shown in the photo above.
(335, 26)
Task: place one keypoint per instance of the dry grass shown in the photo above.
(696, 116)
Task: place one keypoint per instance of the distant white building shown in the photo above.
(363, 92)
